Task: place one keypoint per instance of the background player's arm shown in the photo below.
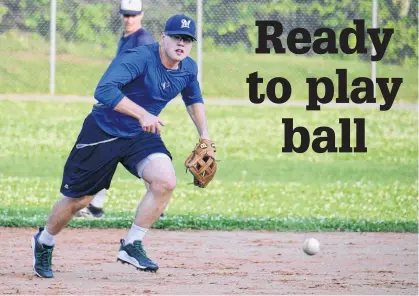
(145, 39)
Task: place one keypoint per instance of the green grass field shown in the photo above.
(24, 68)
(256, 187)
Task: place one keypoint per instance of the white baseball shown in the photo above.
(311, 246)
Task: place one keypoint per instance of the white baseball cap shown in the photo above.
(131, 7)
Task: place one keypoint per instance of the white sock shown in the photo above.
(99, 199)
(135, 233)
(46, 239)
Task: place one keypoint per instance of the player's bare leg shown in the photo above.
(161, 177)
(162, 215)
(63, 210)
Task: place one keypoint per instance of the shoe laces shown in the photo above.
(138, 247)
(45, 256)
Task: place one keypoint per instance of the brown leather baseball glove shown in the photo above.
(201, 163)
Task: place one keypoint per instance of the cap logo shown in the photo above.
(185, 23)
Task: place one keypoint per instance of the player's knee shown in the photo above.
(163, 185)
(170, 184)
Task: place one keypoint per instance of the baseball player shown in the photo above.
(124, 127)
(134, 35)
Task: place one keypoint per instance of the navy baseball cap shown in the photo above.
(180, 24)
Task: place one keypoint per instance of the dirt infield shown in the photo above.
(216, 262)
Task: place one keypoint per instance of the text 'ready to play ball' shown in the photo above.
(311, 246)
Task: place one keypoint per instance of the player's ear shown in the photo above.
(141, 15)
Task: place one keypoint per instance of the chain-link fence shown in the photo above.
(87, 32)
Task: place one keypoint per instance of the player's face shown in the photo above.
(177, 47)
(132, 22)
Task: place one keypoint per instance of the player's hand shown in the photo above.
(151, 123)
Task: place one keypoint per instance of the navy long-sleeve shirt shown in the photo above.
(140, 75)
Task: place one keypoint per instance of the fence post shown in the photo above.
(199, 42)
(52, 32)
(373, 51)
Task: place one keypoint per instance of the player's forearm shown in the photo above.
(130, 108)
(198, 116)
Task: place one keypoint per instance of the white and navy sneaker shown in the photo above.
(135, 255)
(42, 257)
